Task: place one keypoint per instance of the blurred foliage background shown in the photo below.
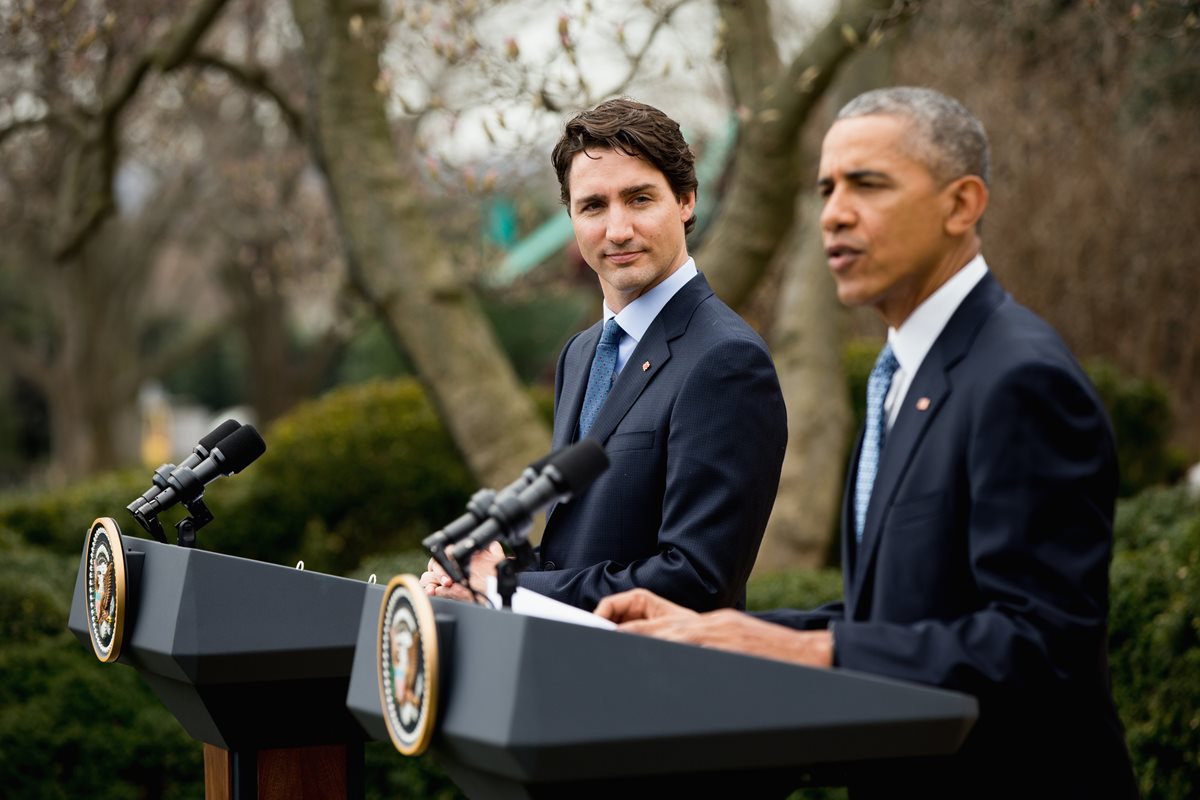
(194, 226)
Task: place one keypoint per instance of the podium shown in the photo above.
(253, 659)
(538, 708)
(276, 670)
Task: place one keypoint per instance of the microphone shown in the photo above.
(567, 472)
(162, 475)
(231, 455)
(478, 506)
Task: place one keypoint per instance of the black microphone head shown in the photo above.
(579, 464)
(544, 461)
(214, 437)
(239, 449)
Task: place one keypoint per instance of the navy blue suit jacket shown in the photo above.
(984, 560)
(695, 431)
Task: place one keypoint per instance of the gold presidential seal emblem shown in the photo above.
(408, 665)
(106, 582)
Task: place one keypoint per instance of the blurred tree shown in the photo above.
(396, 262)
(75, 280)
(124, 189)
(1092, 109)
(396, 258)
(762, 221)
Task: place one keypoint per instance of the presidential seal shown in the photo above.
(106, 581)
(408, 665)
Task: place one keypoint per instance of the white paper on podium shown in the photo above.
(532, 604)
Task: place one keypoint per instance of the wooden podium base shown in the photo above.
(331, 772)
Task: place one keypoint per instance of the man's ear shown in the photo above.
(968, 198)
(687, 206)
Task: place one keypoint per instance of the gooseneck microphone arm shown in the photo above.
(185, 485)
(162, 476)
(566, 473)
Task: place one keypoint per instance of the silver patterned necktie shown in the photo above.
(876, 430)
(600, 379)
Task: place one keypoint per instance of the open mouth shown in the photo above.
(841, 256)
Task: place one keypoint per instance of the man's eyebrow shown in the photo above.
(855, 176)
(860, 174)
(632, 190)
(583, 201)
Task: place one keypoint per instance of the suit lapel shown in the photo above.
(654, 349)
(576, 366)
(926, 396)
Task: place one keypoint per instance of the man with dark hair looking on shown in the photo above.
(977, 522)
(677, 387)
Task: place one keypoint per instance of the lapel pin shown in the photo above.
(645, 366)
(923, 404)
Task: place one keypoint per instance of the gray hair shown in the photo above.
(949, 139)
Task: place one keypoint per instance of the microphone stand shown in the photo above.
(186, 528)
(507, 569)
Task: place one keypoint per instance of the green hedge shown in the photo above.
(1154, 638)
(362, 470)
(69, 726)
(1141, 416)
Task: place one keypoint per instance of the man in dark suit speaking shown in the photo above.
(678, 389)
(977, 520)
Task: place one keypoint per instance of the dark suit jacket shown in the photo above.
(695, 442)
(984, 560)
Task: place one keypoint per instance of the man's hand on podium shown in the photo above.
(641, 611)
(437, 583)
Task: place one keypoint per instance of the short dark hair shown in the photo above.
(948, 138)
(634, 129)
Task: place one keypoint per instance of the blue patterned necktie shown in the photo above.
(868, 460)
(600, 379)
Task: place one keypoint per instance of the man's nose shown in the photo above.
(837, 213)
(620, 225)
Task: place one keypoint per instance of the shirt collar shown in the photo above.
(636, 317)
(912, 341)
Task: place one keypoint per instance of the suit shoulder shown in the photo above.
(1014, 337)
(714, 321)
(1017, 354)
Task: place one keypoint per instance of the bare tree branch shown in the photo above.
(46, 120)
(635, 59)
(254, 79)
(759, 206)
(86, 196)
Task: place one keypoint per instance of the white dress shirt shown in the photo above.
(636, 317)
(914, 338)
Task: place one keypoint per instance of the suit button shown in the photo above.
(549, 565)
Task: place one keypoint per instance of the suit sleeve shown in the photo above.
(725, 446)
(1042, 482)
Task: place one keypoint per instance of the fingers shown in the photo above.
(673, 629)
(431, 581)
(638, 604)
(455, 591)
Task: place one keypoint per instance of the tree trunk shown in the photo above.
(393, 252)
(806, 347)
(759, 207)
